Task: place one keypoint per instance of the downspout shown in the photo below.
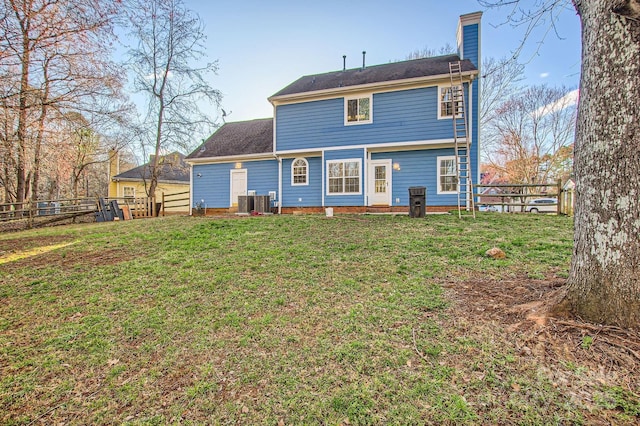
(191, 190)
(279, 197)
(324, 166)
(470, 136)
(365, 169)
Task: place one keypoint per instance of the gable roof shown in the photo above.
(238, 138)
(425, 67)
(172, 169)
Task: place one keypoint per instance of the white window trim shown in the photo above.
(440, 116)
(438, 187)
(306, 181)
(345, 160)
(346, 108)
(128, 196)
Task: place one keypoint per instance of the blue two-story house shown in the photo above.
(354, 139)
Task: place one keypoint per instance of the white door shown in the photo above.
(238, 185)
(379, 176)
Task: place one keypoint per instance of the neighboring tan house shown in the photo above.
(133, 183)
(355, 140)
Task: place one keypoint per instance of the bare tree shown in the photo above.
(530, 135)
(604, 283)
(55, 53)
(501, 80)
(167, 68)
(428, 52)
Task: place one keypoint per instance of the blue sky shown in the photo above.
(262, 46)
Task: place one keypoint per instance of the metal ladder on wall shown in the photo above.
(462, 143)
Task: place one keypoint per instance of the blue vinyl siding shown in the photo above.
(417, 168)
(348, 199)
(262, 176)
(215, 182)
(302, 195)
(470, 42)
(471, 51)
(408, 115)
(213, 185)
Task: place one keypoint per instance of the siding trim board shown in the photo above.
(390, 146)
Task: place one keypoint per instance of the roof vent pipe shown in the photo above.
(344, 62)
(363, 54)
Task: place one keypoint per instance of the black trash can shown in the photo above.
(417, 201)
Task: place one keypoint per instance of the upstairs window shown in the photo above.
(343, 177)
(446, 104)
(357, 110)
(299, 172)
(447, 178)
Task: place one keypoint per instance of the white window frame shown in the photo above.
(442, 116)
(360, 175)
(439, 175)
(124, 190)
(306, 175)
(346, 109)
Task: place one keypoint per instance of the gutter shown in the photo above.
(229, 158)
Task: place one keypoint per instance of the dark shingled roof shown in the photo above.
(425, 67)
(239, 138)
(172, 168)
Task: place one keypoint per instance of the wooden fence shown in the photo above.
(139, 207)
(46, 211)
(516, 197)
(173, 203)
(43, 212)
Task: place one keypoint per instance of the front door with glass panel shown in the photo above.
(379, 183)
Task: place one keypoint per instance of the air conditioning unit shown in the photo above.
(245, 204)
(262, 204)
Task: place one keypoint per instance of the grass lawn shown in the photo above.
(286, 320)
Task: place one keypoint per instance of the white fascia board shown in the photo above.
(230, 159)
(385, 86)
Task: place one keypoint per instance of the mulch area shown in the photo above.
(524, 309)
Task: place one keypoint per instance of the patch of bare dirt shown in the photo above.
(525, 313)
(64, 258)
(15, 245)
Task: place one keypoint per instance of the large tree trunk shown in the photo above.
(37, 152)
(604, 282)
(21, 169)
